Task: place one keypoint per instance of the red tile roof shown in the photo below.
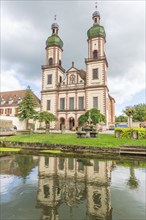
(15, 96)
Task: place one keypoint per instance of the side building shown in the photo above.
(9, 101)
(69, 94)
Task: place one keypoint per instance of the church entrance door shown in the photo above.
(71, 123)
(62, 123)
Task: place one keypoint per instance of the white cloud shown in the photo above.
(10, 81)
(125, 88)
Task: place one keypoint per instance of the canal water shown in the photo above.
(54, 188)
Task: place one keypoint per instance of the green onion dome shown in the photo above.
(54, 40)
(96, 31)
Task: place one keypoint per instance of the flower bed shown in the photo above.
(133, 133)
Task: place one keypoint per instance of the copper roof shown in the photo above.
(82, 74)
(15, 96)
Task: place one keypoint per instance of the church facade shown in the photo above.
(69, 94)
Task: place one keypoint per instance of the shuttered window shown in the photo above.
(71, 103)
(81, 103)
(48, 104)
(95, 102)
(62, 103)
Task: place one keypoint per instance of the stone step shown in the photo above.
(133, 152)
(133, 149)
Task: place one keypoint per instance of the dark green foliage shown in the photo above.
(140, 112)
(129, 111)
(82, 119)
(95, 115)
(137, 111)
(121, 118)
(127, 132)
(26, 107)
(47, 117)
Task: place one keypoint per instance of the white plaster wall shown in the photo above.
(21, 125)
(58, 53)
(94, 43)
(60, 73)
(46, 73)
(90, 68)
(52, 97)
(50, 52)
(95, 93)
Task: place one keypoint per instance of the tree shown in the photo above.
(26, 107)
(121, 118)
(129, 111)
(140, 112)
(137, 111)
(132, 181)
(46, 117)
(82, 119)
(95, 115)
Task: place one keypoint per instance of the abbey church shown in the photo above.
(69, 94)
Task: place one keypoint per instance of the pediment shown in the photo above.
(72, 69)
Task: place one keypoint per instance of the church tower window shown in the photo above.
(60, 79)
(95, 102)
(95, 54)
(95, 74)
(50, 61)
(59, 62)
(48, 104)
(50, 79)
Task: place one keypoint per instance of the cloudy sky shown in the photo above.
(25, 26)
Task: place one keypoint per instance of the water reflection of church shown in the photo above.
(68, 183)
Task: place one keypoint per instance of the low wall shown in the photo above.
(15, 121)
(64, 148)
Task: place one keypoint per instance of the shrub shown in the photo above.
(128, 132)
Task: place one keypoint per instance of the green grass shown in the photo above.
(51, 151)
(103, 140)
(7, 149)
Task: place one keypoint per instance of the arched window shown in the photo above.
(72, 79)
(95, 54)
(50, 61)
(60, 79)
(59, 62)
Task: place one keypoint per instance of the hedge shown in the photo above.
(129, 133)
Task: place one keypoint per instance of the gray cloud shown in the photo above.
(27, 24)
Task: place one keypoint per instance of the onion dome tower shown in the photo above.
(54, 39)
(96, 38)
(54, 46)
(96, 30)
(96, 65)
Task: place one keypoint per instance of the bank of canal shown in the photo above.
(74, 149)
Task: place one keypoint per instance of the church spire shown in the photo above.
(96, 15)
(55, 26)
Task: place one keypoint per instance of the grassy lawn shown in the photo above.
(103, 140)
(4, 149)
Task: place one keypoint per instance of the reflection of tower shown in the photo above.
(49, 194)
(69, 182)
(98, 191)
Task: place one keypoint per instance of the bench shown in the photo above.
(84, 134)
(93, 134)
(81, 134)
